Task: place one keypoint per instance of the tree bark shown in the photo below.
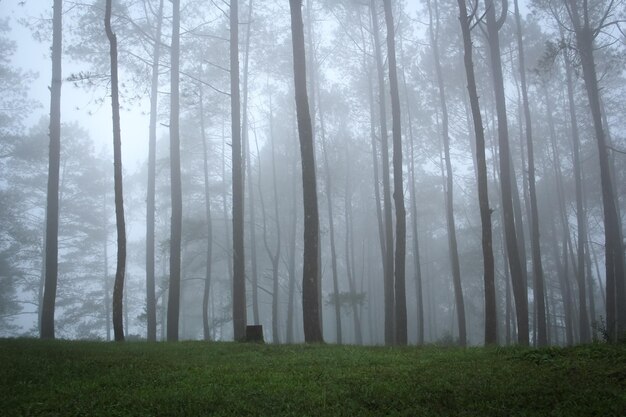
(52, 205)
(173, 302)
(614, 253)
(539, 295)
(483, 195)
(398, 185)
(388, 264)
(150, 200)
(209, 227)
(239, 278)
(512, 246)
(246, 143)
(310, 277)
(452, 241)
(118, 286)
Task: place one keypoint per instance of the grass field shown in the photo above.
(63, 378)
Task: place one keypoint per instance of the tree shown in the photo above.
(452, 240)
(539, 295)
(239, 278)
(150, 205)
(398, 186)
(483, 195)
(310, 283)
(118, 287)
(173, 302)
(586, 31)
(388, 260)
(506, 172)
(52, 209)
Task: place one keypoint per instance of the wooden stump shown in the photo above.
(254, 334)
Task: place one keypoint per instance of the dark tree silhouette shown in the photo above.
(483, 195)
(118, 286)
(310, 283)
(52, 208)
(173, 302)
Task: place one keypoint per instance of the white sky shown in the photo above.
(77, 104)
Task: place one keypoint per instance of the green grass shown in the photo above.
(63, 378)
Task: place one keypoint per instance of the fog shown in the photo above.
(377, 156)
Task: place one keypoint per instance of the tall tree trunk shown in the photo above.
(538, 290)
(506, 175)
(398, 185)
(291, 251)
(388, 264)
(209, 227)
(118, 286)
(310, 274)
(483, 195)
(173, 302)
(583, 322)
(105, 254)
(581, 220)
(452, 241)
(614, 253)
(246, 144)
(239, 278)
(417, 270)
(52, 205)
(331, 232)
(350, 267)
(274, 255)
(370, 95)
(150, 199)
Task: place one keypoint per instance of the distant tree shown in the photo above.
(239, 278)
(150, 204)
(173, 303)
(538, 284)
(118, 287)
(452, 240)
(52, 209)
(481, 164)
(310, 283)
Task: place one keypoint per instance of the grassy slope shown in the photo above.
(63, 378)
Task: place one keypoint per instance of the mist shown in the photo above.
(387, 173)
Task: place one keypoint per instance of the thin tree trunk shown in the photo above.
(248, 153)
(506, 175)
(150, 200)
(350, 267)
(107, 294)
(398, 186)
(581, 221)
(414, 227)
(331, 231)
(483, 195)
(291, 250)
(389, 295)
(52, 205)
(173, 302)
(452, 241)
(614, 253)
(209, 227)
(310, 275)
(118, 286)
(534, 213)
(239, 278)
(583, 322)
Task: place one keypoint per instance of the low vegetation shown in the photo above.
(63, 378)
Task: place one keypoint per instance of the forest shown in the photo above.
(358, 172)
